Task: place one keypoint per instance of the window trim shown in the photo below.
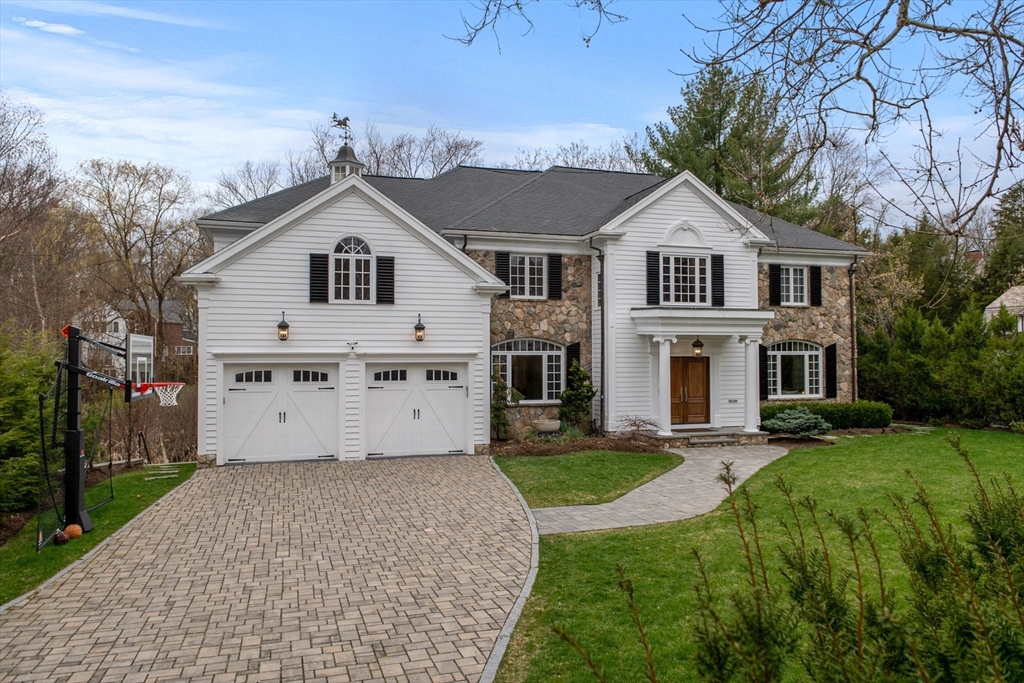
(810, 349)
(702, 261)
(546, 350)
(332, 271)
(543, 275)
(786, 289)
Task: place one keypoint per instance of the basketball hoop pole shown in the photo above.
(74, 440)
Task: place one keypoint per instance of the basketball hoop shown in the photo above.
(167, 391)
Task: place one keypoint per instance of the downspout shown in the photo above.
(465, 241)
(853, 326)
(604, 337)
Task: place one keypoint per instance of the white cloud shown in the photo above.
(60, 29)
(94, 9)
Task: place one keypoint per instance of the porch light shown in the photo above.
(282, 328)
(698, 348)
(420, 328)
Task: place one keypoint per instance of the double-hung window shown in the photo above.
(526, 276)
(794, 369)
(351, 270)
(684, 280)
(533, 367)
(793, 285)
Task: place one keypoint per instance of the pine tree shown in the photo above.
(1005, 267)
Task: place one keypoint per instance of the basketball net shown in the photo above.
(167, 391)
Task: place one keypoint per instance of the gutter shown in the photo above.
(853, 326)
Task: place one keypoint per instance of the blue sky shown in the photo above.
(204, 86)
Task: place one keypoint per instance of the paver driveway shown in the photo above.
(398, 570)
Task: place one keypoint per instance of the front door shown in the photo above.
(691, 390)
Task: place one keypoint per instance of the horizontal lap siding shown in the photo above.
(645, 232)
(246, 305)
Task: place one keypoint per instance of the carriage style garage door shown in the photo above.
(280, 412)
(415, 409)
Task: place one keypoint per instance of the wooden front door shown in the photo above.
(691, 390)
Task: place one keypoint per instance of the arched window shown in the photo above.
(352, 267)
(533, 367)
(794, 369)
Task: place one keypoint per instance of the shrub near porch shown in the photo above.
(576, 587)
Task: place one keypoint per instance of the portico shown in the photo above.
(696, 381)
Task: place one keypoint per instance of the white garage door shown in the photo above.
(280, 412)
(415, 409)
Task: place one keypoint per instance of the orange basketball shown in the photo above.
(73, 530)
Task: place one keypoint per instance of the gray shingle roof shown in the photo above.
(560, 201)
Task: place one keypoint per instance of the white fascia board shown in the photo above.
(313, 205)
(801, 257)
(299, 355)
(666, 321)
(753, 235)
(510, 241)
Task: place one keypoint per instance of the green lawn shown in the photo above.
(23, 568)
(576, 586)
(584, 478)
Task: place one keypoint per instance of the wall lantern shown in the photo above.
(420, 328)
(698, 348)
(282, 328)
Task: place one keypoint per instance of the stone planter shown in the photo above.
(546, 426)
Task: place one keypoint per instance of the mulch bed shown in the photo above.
(592, 443)
(13, 522)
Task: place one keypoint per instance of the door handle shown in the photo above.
(686, 393)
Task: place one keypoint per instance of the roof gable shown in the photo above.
(352, 184)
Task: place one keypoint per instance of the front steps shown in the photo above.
(708, 438)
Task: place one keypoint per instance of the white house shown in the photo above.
(684, 308)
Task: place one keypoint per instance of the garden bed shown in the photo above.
(562, 447)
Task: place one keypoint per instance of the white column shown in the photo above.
(664, 384)
(752, 400)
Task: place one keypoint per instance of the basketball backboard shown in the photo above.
(139, 356)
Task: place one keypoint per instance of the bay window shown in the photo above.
(533, 367)
(794, 369)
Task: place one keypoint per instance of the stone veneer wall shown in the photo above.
(563, 321)
(825, 325)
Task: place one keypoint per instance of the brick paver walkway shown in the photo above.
(394, 570)
(687, 491)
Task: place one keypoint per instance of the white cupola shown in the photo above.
(345, 164)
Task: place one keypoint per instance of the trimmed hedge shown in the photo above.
(856, 415)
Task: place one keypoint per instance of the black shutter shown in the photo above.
(572, 353)
(554, 276)
(653, 278)
(815, 285)
(385, 279)
(831, 383)
(774, 284)
(717, 280)
(501, 270)
(319, 267)
(762, 378)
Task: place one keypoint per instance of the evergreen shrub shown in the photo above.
(799, 423)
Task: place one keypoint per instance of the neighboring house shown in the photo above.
(683, 307)
(1013, 299)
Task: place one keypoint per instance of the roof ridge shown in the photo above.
(495, 201)
(600, 170)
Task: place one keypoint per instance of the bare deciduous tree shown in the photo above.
(143, 232)
(614, 157)
(29, 182)
(249, 181)
(490, 13)
(409, 156)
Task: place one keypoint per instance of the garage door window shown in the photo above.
(390, 376)
(533, 367)
(442, 376)
(309, 376)
(251, 376)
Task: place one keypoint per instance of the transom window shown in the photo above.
(526, 276)
(390, 376)
(309, 376)
(684, 280)
(352, 267)
(533, 367)
(442, 376)
(793, 283)
(254, 376)
(794, 369)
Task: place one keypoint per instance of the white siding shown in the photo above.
(245, 307)
(634, 366)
